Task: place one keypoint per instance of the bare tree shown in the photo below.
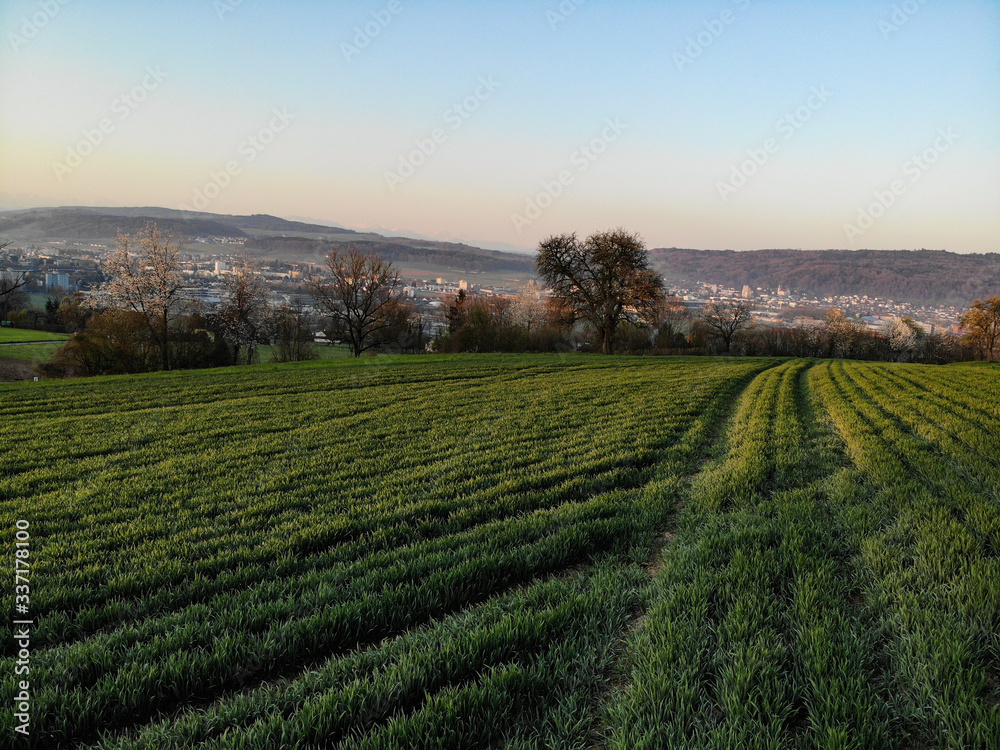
(605, 279)
(456, 309)
(982, 327)
(147, 280)
(293, 335)
(362, 298)
(671, 314)
(409, 335)
(74, 312)
(246, 311)
(725, 319)
(501, 310)
(11, 296)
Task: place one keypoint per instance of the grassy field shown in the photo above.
(323, 351)
(15, 335)
(511, 551)
(44, 352)
(30, 352)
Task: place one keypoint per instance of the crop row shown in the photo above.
(928, 538)
(388, 687)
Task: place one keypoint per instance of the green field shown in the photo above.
(14, 335)
(510, 551)
(30, 352)
(323, 351)
(44, 352)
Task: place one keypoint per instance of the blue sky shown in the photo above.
(727, 124)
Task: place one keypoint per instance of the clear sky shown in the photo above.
(725, 124)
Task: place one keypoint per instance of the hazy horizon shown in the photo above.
(729, 125)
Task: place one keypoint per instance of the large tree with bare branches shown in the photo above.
(605, 279)
(145, 278)
(726, 319)
(362, 298)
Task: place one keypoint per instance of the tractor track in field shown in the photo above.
(661, 542)
(744, 479)
(711, 449)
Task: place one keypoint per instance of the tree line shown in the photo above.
(605, 297)
(142, 318)
(600, 294)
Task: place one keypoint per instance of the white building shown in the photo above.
(57, 279)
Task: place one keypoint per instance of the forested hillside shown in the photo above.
(472, 259)
(918, 276)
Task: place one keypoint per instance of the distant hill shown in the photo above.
(441, 254)
(102, 223)
(916, 276)
(87, 224)
(266, 236)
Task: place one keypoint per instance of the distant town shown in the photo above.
(65, 267)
